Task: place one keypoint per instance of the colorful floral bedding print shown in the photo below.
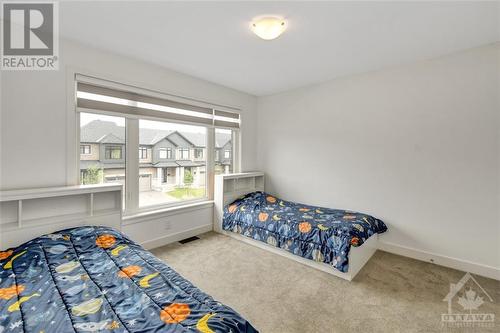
(321, 234)
(94, 279)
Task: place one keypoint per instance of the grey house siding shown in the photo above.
(221, 159)
(165, 143)
(179, 140)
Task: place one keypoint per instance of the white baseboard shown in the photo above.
(164, 240)
(462, 265)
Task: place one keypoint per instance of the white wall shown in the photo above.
(34, 111)
(36, 144)
(417, 145)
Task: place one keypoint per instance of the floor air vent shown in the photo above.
(187, 240)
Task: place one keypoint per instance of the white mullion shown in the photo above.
(132, 166)
(210, 156)
(236, 151)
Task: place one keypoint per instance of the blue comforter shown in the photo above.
(94, 279)
(321, 234)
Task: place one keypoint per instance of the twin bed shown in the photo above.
(95, 279)
(316, 233)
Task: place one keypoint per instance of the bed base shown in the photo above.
(358, 256)
(229, 187)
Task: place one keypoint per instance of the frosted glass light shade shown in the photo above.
(268, 27)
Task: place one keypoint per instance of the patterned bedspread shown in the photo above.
(321, 234)
(94, 279)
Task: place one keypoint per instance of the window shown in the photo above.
(163, 130)
(198, 153)
(184, 154)
(143, 153)
(113, 152)
(223, 146)
(105, 165)
(171, 181)
(85, 149)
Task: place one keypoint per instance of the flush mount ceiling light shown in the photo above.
(269, 27)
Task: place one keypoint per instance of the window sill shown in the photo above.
(153, 214)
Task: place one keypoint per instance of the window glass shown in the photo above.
(103, 161)
(143, 153)
(198, 153)
(223, 151)
(166, 179)
(85, 149)
(113, 152)
(184, 153)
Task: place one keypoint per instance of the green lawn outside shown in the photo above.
(187, 193)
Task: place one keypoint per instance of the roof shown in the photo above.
(165, 165)
(100, 165)
(189, 164)
(99, 131)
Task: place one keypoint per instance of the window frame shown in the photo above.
(198, 153)
(142, 150)
(131, 160)
(181, 154)
(162, 150)
(83, 146)
(110, 148)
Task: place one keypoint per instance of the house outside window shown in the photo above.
(198, 153)
(184, 152)
(167, 175)
(223, 151)
(143, 153)
(85, 149)
(113, 152)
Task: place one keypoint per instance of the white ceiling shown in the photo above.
(324, 40)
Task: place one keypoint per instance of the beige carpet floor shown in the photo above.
(390, 294)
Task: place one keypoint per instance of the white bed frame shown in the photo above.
(29, 213)
(232, 186)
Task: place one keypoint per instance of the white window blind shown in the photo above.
(96, 97)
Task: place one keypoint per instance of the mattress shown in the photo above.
(94, 279)
(321, 234)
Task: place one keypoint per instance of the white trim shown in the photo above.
(131, 166)
(358, 256)
(47, 192)
(164, 240)
(169, 211)
(72, 132)
(462, 265)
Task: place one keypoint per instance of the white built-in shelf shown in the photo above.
(38, 207)
(45, 192)
(229, 187)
